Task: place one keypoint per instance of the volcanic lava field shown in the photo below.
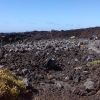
(54, 65)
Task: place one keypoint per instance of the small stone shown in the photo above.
(49, 77)
(89, 84)
(67, 78)
(72, 37)
(5, 55)
(77, 78)
(25, 80)
(98, 93)
(56, 49)
(1, 66)
(85, 72)
(59, 84)
(76, 60)
(24, 71)
(88, 58)
(77, 68)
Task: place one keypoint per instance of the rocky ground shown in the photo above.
(55, 69)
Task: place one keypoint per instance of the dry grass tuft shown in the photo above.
(10, 85)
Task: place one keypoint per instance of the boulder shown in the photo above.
(53, 65)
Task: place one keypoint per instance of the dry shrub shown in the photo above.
(10, 85)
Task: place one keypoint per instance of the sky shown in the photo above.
(30, 15)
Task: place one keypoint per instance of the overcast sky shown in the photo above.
(28, 15)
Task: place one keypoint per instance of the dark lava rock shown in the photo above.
(1, 53)
(60, 64)
(53, 65)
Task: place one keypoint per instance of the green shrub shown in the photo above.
(94, 62)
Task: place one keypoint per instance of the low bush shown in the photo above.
(10, 86)
(95, 62)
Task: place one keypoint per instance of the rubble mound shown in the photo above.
(58, 65)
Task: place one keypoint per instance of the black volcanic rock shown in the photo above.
(55, 63)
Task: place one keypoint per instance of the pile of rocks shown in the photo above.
(62, 63)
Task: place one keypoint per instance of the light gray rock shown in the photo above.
(66, 78)
(24, 70)
(25, 80)
(59, 84)
(76, 60)
(89, 84)
(1, 66)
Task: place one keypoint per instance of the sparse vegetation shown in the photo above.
(10, 85)
(95, 62)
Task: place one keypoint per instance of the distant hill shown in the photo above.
(38, 35)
